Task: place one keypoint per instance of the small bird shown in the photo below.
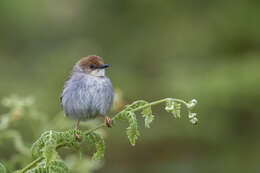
(88, 92)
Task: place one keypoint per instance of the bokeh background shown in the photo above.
(208, 50)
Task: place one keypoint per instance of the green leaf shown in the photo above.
(37, 170)
(100, 147)
(193, 118)
(135, 105)
(94, 138)
(177, 110)
(174, 108)
(49, 152)
(148, 116)
(49, 140)
(36, 147)
(55, 166)
(132, 129)
(2, 168)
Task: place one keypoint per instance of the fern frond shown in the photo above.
(94, 138)
(132, 130)
(148, 116)
(46, 146)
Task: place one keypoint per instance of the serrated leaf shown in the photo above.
(49, 153)
(132, 130)
(148, 116)
(37, 170)
(94, 138)
(36, 147)
(174, 108)
(177, 110)
(58, 166)
(51, 139)
(55, 166)
(100, 147)
(135, 104)
(169, 105)
(193, 118)
(2, 168)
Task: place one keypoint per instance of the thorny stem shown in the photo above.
(34, 163)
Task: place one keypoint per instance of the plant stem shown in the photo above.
(31, 165)
(158, 102)
(34, 163)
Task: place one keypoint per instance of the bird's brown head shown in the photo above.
(93, 65)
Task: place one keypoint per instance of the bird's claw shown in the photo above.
(75, 135)
(108, 121)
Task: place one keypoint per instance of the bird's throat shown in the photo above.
(98, 72)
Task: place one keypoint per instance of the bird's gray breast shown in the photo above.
(84, 96)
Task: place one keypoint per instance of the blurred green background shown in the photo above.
(208, 50)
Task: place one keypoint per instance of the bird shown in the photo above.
(88, 92)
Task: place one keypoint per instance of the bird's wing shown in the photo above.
(62, 93)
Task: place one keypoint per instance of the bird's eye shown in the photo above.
(92, 66)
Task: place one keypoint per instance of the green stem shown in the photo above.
(31, 165)
(158, 102)
(34, 163)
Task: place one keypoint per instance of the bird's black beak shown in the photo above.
(103, 66)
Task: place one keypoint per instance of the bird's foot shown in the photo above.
(108, 121)
(75, 135)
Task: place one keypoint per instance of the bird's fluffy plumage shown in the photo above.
(85, 96)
